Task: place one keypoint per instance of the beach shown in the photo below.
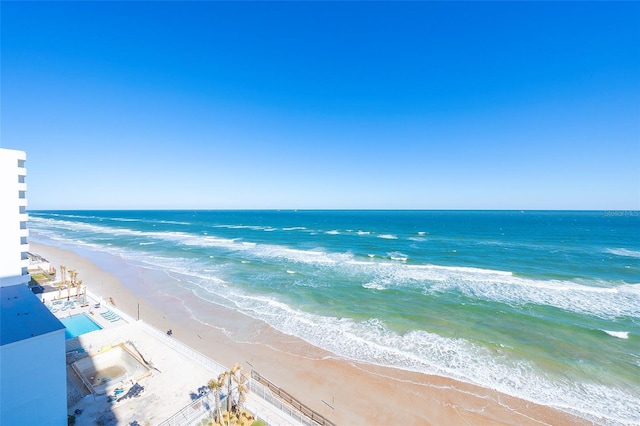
(345, 391)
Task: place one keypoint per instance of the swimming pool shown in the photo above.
(78, 325)
(108, 369)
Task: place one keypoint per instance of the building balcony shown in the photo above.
(22, 186)
(22, 202)
(24, 248)
(23, 217)
(24, 232)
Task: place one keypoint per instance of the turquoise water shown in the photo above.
(540, 305)
(78, 325)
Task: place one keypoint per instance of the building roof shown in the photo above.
(23, 315)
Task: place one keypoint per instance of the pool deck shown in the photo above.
(178, 371)
(89, 308)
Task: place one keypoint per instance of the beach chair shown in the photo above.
(111, 316)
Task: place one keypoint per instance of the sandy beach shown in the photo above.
(344, 391)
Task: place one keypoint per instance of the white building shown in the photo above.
(13, 218)
(33, 382)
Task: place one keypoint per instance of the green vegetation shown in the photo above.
(234, 382)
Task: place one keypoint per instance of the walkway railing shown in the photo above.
(177, 345)
(194, 412)
(285, 402)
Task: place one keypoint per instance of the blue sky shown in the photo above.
(425, 105)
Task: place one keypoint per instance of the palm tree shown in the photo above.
(233, 377)
(78, 288)
(242, 391)
(84, 295)
(72, 283)
(216, 386)
(63, 279)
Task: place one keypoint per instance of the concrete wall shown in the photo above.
(13, 218)
(33, 383)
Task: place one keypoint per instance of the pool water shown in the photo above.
(78, 325)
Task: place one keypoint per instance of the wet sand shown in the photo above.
(344, 391)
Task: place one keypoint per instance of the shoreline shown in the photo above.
(344, 391)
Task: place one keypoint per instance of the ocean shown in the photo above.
(542, 305)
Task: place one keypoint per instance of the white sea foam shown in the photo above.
(623, 252)
(396, 255)
(387, 237)
(252, 227)
(364, 232)
(618, 334)
(374, 286)
(290, 272)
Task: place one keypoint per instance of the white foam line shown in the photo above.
(618, 334)
(623, 252)
(387, 237)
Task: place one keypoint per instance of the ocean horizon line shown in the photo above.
(631, 212)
